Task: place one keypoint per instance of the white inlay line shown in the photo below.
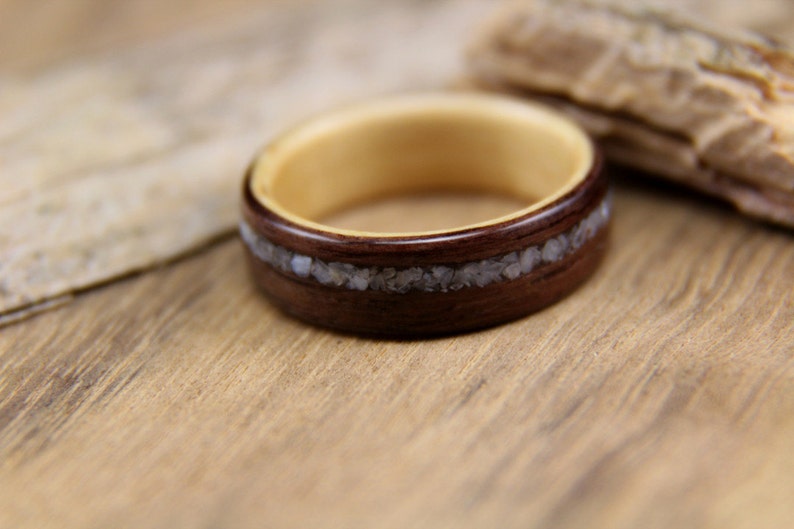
(436, 278)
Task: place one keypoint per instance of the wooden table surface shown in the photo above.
(661, 394)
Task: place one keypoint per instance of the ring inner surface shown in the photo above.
(421, 145)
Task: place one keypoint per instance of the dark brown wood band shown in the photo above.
(453, 247)
(429, 284)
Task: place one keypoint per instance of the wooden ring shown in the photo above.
(437, 282)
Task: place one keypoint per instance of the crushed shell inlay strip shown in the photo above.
(436, 278)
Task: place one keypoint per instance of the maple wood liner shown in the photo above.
(575, 223)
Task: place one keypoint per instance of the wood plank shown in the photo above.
(659, 395)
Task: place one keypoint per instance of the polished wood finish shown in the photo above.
(418, 312)
(455, 246)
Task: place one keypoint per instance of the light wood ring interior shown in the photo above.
(421, 144)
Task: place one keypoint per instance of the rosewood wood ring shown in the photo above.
(434, 282)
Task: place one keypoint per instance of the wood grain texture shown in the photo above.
(37, 35)
(147, 135)
(431, 284)
(660, 395)
(705, 106)
(150, 143)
